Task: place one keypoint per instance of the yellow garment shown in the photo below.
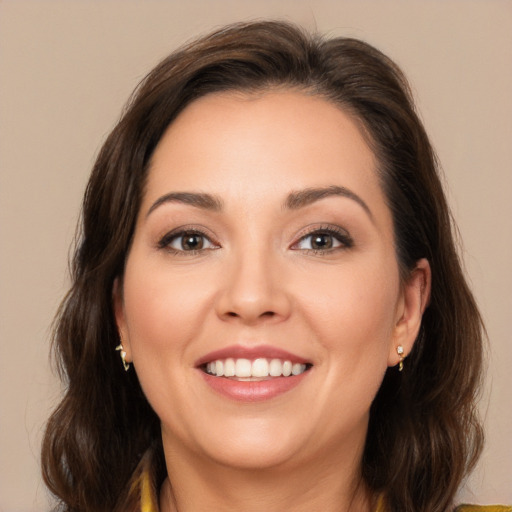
(380, 504)
(143, 490)
(481, 508)
(148, 498)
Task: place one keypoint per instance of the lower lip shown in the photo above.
(253, 391)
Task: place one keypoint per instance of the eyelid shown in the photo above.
(165, 240)
(340, 234)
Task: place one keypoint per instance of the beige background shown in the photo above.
(66, 69)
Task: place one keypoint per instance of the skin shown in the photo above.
(258, 281)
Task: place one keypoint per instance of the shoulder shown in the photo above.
(381, 507)
(141, 493)
(483, 508)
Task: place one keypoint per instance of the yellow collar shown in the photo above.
(143, 491)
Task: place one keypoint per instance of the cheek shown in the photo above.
(353, 311)
(163, 310)
(164, 313)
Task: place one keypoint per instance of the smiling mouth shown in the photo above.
(242, 369)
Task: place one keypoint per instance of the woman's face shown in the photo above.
(263, 246)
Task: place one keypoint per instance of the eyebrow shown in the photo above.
(294, 201)
(302, 198)
(197, 199)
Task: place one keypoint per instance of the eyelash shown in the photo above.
(338, 234)
(166, 241)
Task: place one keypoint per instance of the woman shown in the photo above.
(266, 241)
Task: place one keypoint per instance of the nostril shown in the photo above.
(265, 314)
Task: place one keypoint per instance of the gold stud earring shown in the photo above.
(123, 357)
(400, 352)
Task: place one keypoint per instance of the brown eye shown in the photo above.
(186, 241)
(191, 242)
(321, 241)
(324, 240)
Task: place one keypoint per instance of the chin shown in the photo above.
(252, 445)
(254, 457)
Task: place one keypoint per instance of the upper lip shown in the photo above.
(253, 352)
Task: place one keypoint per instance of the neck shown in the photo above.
(206, 485)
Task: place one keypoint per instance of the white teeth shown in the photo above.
(297, 368)
(276, 368)
(229, 367)
(219, 368)
(259, 368)
(243, 368)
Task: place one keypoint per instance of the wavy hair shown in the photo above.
(424, 435)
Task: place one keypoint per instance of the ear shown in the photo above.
(412, 304)
(119, 313)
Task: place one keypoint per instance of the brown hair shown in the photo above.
(423, 435)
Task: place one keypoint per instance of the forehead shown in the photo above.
(240, 144)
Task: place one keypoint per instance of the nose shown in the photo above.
(254, 290)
